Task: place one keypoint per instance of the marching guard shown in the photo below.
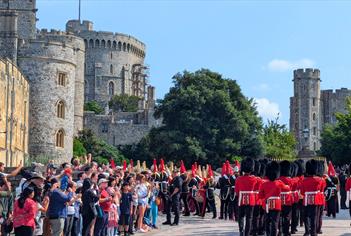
(224, 185)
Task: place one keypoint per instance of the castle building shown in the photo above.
(312, 108)
(14, 109)
(65, 69)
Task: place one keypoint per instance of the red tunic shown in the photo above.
(295, 189)
(286, 196)
(270, 194)
(244, 188)
(348, 185)
(258, 201)
(310, 190)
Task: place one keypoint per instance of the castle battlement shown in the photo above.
(307, 73)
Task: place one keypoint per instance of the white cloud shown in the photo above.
(284, 65)
(267, 109)
(263, 87)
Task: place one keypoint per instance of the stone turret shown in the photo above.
(305, 109)
(8, 35)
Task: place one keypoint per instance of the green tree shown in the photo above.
(124, 103)
(278, 141)
(336, 139)
(78, 148)
(207, 119)
(100, 150)
(93, 106)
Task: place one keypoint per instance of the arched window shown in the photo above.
(86, 43)
(60, 138)
(114, 45)
(103, 43)
(314, 116)
(111, 88)
(119, 46)
(61, 109)
(97, 43)
(128, 47)
(314, 146)
(111, 55)
(109, 43)
(91, 43)
(124, 46)
(111, 69)
(61, 80)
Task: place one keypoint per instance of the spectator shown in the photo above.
(6, 206)
(25, 210)
(89, 201)
(105, 204)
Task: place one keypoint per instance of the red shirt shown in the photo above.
(272, 189)
(25, 216)
(348, 184)
(105, 205)
(246, 183)
(313, 184)
(287, 199)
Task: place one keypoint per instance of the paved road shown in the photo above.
(195, 226)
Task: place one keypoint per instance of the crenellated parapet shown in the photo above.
(307, 73)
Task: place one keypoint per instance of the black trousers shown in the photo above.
(24, 231)
(319, 220)
(272, 222)
(262, 222)
(343, 197)
(255, 220)
(285, 220)
(301, 209)
(88, 221)
(231, 208)
(245, 219)
(294, 217)
(184, 198)
(173, 205)
(196, 204)
(211, 202)
(331, 207)
(310, 219)
(224, 208)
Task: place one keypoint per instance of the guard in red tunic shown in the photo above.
(310, 189)
(348, 190)
(244, 189)
(321, 198)
(286, 197)
(258, 204)
(270, 194)
(295, 201)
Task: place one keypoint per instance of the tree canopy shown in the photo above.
(336, 139)
(278, 141)
(101, 151)
(207, 119)
(93, 106)
(124, 103)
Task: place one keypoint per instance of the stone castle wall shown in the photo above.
(42, 60)
(312, 108)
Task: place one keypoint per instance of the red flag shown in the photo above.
(182, 167)
(124, 165)
(155, 166)
(162, 165)
(112, 163)
(331, 170)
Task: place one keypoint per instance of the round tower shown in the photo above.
(114, 63)
(305, 110)
(54, 67)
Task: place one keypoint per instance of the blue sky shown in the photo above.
(257, 43)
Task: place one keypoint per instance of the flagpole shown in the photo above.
(79, 10)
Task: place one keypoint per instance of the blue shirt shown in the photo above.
(57, 205)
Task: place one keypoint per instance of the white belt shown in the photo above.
(241, 193)
(310, 193)
(267, 202)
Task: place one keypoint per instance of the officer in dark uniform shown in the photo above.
(194, 186)
(210, 197)
(173, 203)
(224, 185)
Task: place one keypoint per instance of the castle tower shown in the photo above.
(305, 121)
(114, 63)
(26, 10)
(8, 35)
(54, 66)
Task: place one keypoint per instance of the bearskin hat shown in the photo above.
(285, 168)
(247, 165)
(320, 168)
(272, 170)
(300, 167)
(311, 167)
(294, 169)
(257, 168)
(350, 169)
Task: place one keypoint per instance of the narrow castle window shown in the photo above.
(314, 130)
(60, 138)
(314, 146)
(97, 43)
(109, 43)
(111, 55)
(61, 109)
(314, 116)
(119, 46)
(103, 44)
(61, 79)
(111, 89)
(114, 45)
(104, 128)
(111, 69)
(124, 46)
(91, 43)
(128, 47)
(313, 101)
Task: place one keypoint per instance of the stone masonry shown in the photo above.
(312, 108)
